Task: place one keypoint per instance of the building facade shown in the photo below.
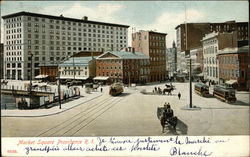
(53, 38)
(123, 66)
(233, 66)
(211, 44)
(200, 58)
(152, 44)
(1, 61)
(171, 60)
(48, 72)
(78, 68)
(189, 35)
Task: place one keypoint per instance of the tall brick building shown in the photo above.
(196, 31)
(124, 66)
(233, 66)
(152, 44)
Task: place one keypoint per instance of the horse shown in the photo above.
(171, 121)
(168, 90)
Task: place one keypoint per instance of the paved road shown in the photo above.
(134, 114)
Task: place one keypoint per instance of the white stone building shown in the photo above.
(53, 38)
(211, 44)
(77, 68)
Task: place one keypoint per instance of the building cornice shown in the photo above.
(23, 13)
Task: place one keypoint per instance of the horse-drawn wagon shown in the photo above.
(166, 116)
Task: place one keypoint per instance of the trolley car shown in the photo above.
(116, 89)
(224, 93)
(201, 89)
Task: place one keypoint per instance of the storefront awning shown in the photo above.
(41, 76)
(231, 82)
(72, 78)
(101, 78)
(200, 74)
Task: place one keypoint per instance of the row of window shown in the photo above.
(74, 23)
(14, 65)
(228, 60)
(209, 42)
(210, 60)
(18, 47)
(29, 18)
(13, 19)
(13, 42)
(229, 72)
(210, 50)
(72, 73)
(18, 30)
(14, 36)
(212, 71)
(15, 53)
(13, 25)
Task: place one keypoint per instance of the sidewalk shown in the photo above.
(51, 111)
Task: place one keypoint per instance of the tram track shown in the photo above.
(83, 118)
(72, 118)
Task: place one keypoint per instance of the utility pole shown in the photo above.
(190, 81)
(74, 69)
(31, 68)
(59, 90)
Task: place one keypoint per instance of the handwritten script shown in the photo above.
(171, 146)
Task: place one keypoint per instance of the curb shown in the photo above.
(54, 113)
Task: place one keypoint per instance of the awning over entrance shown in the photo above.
(231, 82)
(101, 78)
(72, 78)
(41, 76)
(200, 74)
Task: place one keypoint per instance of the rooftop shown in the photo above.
(23, 13)
(77, 61)
(126, 55)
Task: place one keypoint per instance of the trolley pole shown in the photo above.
(190, 82)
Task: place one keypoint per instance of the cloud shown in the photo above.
(103, 12)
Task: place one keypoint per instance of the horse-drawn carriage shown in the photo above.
(166, 116)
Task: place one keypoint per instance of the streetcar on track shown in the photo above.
(224, 93)
(201, 89)
(116, 89)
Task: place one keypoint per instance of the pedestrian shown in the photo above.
(82, 85)
(101, 89)
(179, 95)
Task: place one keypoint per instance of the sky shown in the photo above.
(160, 16)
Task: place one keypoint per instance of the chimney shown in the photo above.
(126, 49)
(85, 18)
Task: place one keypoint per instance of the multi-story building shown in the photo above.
(172, 60)
(233, 66)
(51, 39)
(152, 44)
(189, 35)
(211, 44)
(1, 61)
(124, 66)
(200, 58)
(48, 72)
(78, 68)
